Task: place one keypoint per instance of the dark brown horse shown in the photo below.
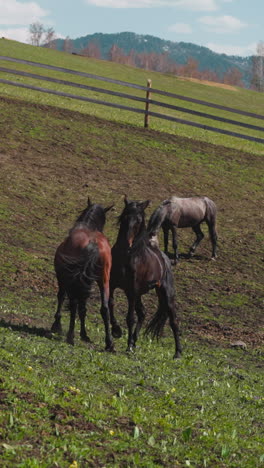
(181, 213)
(138, 267)
(82, 258)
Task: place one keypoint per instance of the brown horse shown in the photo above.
(181, 213)
(137, 267)
(82, 258)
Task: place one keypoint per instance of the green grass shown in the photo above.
(233, 97)
(61, 404)
(64, 404)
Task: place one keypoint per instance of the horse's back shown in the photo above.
(80, 238)
(187, 212)
(73, 245)
(84, 247)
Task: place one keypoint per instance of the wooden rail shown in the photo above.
(147, 99)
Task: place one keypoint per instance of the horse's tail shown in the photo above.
(211, 212)
(156, 325)
(210, 209)
(166, 295)
(78, 271)
(157, 218)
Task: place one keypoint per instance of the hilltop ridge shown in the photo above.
(177, 52)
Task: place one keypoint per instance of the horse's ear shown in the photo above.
(89, 203)
(126, 201)
(144, 204)
(108, 208)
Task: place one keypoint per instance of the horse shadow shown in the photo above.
(186, 256)
(42, 333)
(24, 328)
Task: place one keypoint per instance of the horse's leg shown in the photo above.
(130, 319)
(82, 314)
(116, 329)
(199, 237)
(175, 244)
(213, 236)
(166, 298)
(56, 326)
(140, 310)
(104, 291)
(73, 310)
(166, 239)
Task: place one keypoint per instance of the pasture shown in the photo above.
(78, 406)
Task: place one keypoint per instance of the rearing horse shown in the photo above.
(82, 258)
(137, 267)
(181, 213)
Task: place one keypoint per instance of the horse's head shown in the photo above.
(90, 204)
(132, 218)
(94, 215)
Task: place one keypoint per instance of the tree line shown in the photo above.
(160, 62)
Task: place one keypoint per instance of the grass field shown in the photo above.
(64, 406)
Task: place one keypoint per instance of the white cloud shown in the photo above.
(242, 51)
(20, 16)
(21, 34)
(17, 13)
(195, 5)
(180, 28)
(16, 34)
(221, 24)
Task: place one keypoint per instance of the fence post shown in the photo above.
(148, 96)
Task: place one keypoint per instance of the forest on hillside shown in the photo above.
(152, 53)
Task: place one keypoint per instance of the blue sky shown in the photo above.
(234, 27)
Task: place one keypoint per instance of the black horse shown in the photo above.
(82, 258)
(181, 213)
(137, 267)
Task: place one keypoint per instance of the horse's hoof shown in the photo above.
(70, 341)
(85, 338)
(214, 258)
(110, 349)
(56, 328)
(130, 349)
(116, 331)
(177, 355)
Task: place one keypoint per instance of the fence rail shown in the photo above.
(147, 99)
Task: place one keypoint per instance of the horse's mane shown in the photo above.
(157, 218)
(141, 244)
(93, 216)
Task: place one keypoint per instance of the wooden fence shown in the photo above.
(147, 99)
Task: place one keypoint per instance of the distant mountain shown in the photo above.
(178, 52)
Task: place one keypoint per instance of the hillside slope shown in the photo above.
(79, 406)
(51, 159)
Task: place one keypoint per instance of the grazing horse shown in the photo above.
(184, 212)
(82, 258)
(137, 267)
